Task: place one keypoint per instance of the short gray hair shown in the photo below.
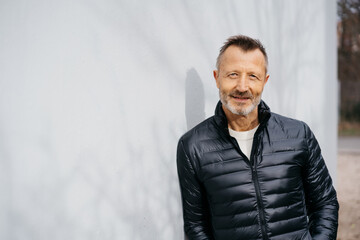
(245, 43)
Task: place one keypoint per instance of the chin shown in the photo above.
(241, 111)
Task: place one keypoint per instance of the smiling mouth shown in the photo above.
(239, 98)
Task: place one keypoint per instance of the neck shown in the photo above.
(242, 123)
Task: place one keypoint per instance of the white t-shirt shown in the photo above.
(244, 139)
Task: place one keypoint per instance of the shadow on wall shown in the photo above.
(194, 99)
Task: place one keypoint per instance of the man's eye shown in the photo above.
(252, 76)
(233, 75)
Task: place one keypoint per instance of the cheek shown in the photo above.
(258, 88)
(227, 85)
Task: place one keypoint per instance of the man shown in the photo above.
(247, 173)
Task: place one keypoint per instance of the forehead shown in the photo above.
(235, 56)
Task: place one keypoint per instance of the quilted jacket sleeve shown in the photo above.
(195, 207)
(321, 198)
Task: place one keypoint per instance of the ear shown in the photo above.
(216, 76)
(266, 78)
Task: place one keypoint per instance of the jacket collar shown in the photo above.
(221, 120)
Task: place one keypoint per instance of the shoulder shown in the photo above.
(201, 132)
(195, 141)
(280, 119)
(288, 127)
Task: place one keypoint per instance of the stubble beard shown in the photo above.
(239, 108)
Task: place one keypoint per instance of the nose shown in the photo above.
(242, 84)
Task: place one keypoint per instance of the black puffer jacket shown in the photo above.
(284, 191)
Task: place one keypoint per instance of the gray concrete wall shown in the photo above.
(95, 94)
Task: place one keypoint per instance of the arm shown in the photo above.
(195, 208)
(321, 201)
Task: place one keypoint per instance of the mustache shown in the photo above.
(237, 93)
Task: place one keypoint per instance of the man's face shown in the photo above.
(241, 78)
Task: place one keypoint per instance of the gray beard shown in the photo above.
(241, 112)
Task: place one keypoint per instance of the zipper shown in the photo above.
(260, 203)
(253, 166)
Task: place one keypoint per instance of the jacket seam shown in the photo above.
(188, 159)
(307, 141)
